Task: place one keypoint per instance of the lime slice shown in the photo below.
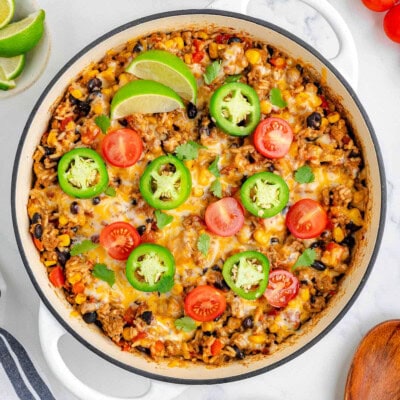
(12, 66)
(6, 12)
(20, 37)
(166, 68)
(5, 84)
(145, 97)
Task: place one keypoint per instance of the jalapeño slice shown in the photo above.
(235, 108)
(264, 194)
(247, 273)
(166, 183)
(82, 173)
(151, 268)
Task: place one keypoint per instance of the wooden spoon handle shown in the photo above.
(375, 370)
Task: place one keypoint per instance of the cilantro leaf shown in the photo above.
(213, 168)
(216, 188)
(101, 271)
(110, 191)
(306, 259)
(165, 284)
(212, 72)
(203, 243)
(304, 175)
(163, 219)
(82, 247)
(185, 324)
(188, 151)
(233, 78)
(103, 122)
(275, 97)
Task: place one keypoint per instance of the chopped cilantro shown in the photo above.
(203, 243)
(103, 122)
(233, 78)
(306, 259)
(82, 247)
(216, 188)
(163, 219)
(304, 175)
(101, 271)
(165, 285)
(275, 97)
(212, 72)
(110, 191)
(185, 324)
(213, 168)
(188, 151)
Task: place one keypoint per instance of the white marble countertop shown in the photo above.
(319, 373)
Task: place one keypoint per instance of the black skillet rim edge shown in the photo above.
(371, 261)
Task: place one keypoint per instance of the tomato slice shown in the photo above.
(391, 23)
(273, 137)
(306, 219)
(282, 287)
(224, 217)
(205, 303)
(122, 148)
(379, 5)
(119, 239)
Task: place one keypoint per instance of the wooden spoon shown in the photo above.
(375, 370)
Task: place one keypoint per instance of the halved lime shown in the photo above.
(20, 37)
(12, 66)
(6, 12)
(145, 97)
(5, 84)
(166, 68)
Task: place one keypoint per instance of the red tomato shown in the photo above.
(197, 56)
(216, 347)
(205, 303)
(273, 137)
(282, 287)
(391, 23)
(119, 239)
(379, 5)
(122, 147)
(224, 217)
(306, 219)
(56, 276)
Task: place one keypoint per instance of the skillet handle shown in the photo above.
(346, 61)
(50, 332)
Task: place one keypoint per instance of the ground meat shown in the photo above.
(112, 321)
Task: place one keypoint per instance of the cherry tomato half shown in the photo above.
(205, 303)
(122, 148)
(273, 137)
(224, 217)
(379, 5)
(391, 24)
(119, 239)
(56, 276)
(282, 287)
(306, 219)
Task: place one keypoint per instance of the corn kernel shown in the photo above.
(76, 93)
(189, 163)
(207, 326)
(177, 289)
(52, 138)
(358, 196)
(315, 100)
(70, 126)
(179, 42)
(123, 79)
(253, 56)
(302, 98)
(257, 339)
(62, 220)
(75, 278)
(244, 235)
(108, 74)
(266, 107)
(282, 85)
(64, 240)
(74, 313)
(333, 117)
(355, 215)
(305, 294)
(202, 35)
(49, 263)
(91, 74)
(169, 43)
(338, 234)
(198, 192)
(261, 237)
(174, 363)
(129, 333)
(274, 328)
(80, 298)
(187, 58)
(213, 50)
(324, 123)
(107, 91)
(204, 177)
(97, 108)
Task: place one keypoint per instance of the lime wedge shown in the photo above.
(20, 37)
(166, 68)
(5, 84)
(12, 66)
(145, 97)
(6, 12)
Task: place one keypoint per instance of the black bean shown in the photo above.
(270, 50)
(234, 39)
(191, 110)
(205, 270)
(274, 240)
(141, 229)
(90, 317)
(299, 68)
(318, 243)
(94, 84)
(74, 207)
(147, 317)
(138, 47)
(204, 130)
(221, 285)
(207, 333)
(49, 150)
(98, 323)
(73, 100)
(36, 218)
(271, 168)
(251, 159)
(349, 241)
(312, 299)
(83, 108)
(149, 220)
(95, 238)
(352, 227)
(354, 154)
(38, 231)
(63, 257)
(304, 281)
(123, 122)
(92, 96)
(239, 353)
(244, 179)
(314, 120)
(96, 200)
(134, 202)
(176, 127)
(318, 265)
(248, 323)
(216, 268)
(142, 349)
